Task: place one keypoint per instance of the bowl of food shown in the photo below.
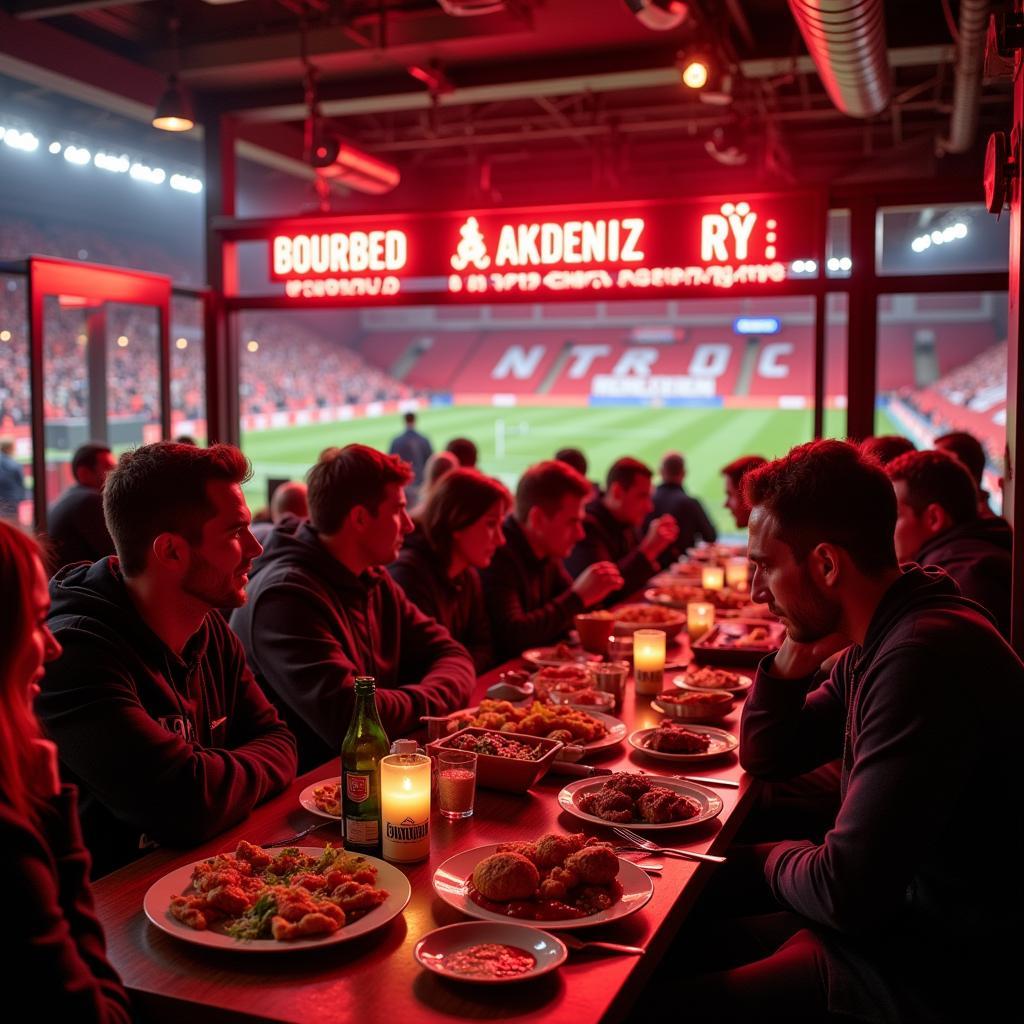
(691, 706)
(594, 629)
(631, 617)
(512, 762)
(586, 697)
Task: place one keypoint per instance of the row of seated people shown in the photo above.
(141, 680)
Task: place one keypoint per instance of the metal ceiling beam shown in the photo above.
(255, 108)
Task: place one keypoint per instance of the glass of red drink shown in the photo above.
(456, 783)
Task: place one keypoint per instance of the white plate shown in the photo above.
(434, 948)
(157, 904)
(743, 684)
(721, 743)
(710, 802)
(615, 726)
(542, 657)
(713, 716)
(307, 800)
(451, 883)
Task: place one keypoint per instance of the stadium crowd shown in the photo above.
(170, 646)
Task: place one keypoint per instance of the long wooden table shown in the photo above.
(375, 979)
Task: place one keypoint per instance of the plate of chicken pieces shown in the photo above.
(554, 881)
(673, 741)
(272, 901)
(643, 802)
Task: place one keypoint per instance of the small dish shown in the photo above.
(436, 949)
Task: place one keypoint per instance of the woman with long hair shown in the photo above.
(458, 530)
(52, 931)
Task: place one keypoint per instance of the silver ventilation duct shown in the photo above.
(970, 61)
(846, 41)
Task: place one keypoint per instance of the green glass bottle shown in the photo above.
(364, 745)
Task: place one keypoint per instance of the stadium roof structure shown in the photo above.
(576, 97)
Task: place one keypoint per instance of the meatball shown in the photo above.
(660, 805)
(596, 865)
(552, 849)
(528, 850)
(634, 786)
(609, 804)
(506, 876)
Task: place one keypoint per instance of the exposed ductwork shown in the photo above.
(970, 61)
(846, 41)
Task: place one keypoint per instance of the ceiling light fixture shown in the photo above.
(174, 111)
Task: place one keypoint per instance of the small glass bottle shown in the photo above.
(364, 745)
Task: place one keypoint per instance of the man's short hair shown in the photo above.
(86, 455)
(547, 485)
(161, 488)
(289, 498)
(573, 457)
(967, 448)
(410, 419)
(344, 478)
(6, 445)
(673, 466)
(937, 478)
(739, 468)
(464, 450)
(625, 471)
(886, 447)
(828, 492)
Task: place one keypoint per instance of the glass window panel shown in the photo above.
(188, 374)
(941, 239)
(15, 407)
(836, 335)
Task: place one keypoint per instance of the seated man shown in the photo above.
(610, 529)
(734, 473)
(937, 523)
(530, 597)
(967, 448)
(155, 714)
(75, 521)
(886, 919)
(288, 499)
(322, 611)
(670, 499)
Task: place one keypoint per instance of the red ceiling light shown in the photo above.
(695, 71)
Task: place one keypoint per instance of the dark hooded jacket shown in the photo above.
(458, 604)
(529, 599)
(164, 749)
(978, 556)
(917, 883)
(607, 540)
(310, 627)
(688, 512)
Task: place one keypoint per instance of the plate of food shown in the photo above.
(560, 654)
(273, 901)
(670, 741)
(557, 881)
(674, 595)
(323, 798)
(489, 952)
(705, 677)
(694, 705)
(568, 677)
(739, 641)
(643, 802)
(631, 617)
(592, 730)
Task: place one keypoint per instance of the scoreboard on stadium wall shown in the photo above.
(626, 250)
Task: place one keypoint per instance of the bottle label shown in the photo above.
(361, 832)
(357, 786)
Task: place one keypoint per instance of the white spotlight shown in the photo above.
(960, 229)
(846, 264)
(55, 148)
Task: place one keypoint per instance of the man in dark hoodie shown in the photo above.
(886, 919)
(322, 610)
(968, 449)
(937, 523)
(610, 529)
(155, 714)
(671, 499)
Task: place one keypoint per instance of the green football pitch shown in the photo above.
(512, 439)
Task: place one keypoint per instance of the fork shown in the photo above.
(613, 947)
(289, 840)
(646, 844)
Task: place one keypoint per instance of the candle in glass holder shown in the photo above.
(700, 617)
(405, 805)
(649, 660)
(713, 577)
(737, 573)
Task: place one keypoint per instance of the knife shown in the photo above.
(583, 770)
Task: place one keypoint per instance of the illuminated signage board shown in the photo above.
(659, 248)
(756, 325)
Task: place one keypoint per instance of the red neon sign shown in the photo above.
(666, 247)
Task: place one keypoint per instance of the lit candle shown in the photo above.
(713, 578)
(736, 573)
(649, 660)
(700, 617)
(405, 806)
